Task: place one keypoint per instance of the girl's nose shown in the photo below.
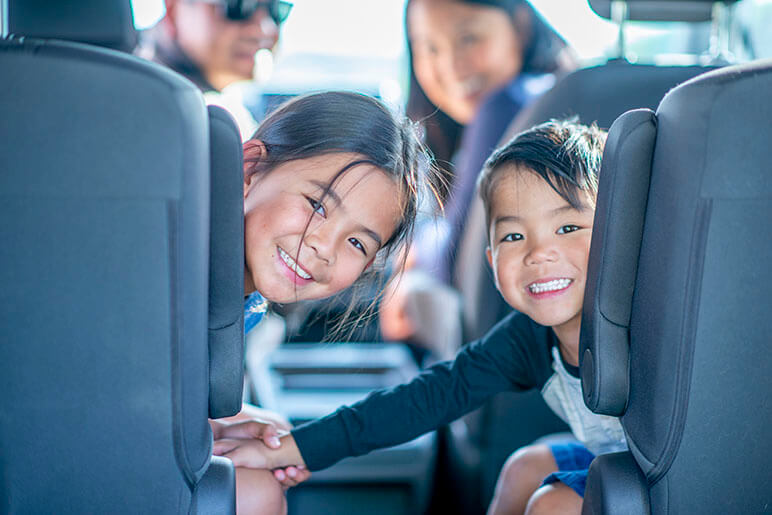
(321, 240)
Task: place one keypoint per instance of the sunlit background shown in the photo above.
(360, 45)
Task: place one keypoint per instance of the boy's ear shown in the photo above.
(254, 151)
(489, 255)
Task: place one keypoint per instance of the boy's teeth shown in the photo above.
(293, 265)
(555, 284)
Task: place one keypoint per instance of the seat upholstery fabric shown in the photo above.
(104, 266)
(697, 414)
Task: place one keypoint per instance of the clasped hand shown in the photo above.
(257, 444)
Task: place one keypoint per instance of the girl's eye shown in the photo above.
(568, 228)
(513, 236)
(358, 245)
(316, 206)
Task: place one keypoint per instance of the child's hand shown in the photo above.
(291, 476)
(249, 429)
(250, 453)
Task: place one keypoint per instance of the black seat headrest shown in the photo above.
(660, 10)
(103, 23)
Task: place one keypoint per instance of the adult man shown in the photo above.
(213, 43)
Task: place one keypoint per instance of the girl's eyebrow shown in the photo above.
(329, 192)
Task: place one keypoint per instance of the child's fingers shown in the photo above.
(246, 453)
(217, 428)
(223, 446)
(252, 429)
(291, 476)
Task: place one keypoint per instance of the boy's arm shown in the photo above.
(435, 397)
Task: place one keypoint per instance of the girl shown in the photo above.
(331, 186)
(474, 65)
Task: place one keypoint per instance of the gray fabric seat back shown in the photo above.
(675, 332)
(104, 266)
(226, 267)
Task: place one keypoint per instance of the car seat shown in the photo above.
(677, 318)
(104, 262)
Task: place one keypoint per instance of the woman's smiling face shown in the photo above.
(341, 232)
(462, 52)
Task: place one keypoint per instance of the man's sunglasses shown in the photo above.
(244, 9)
(239, 10)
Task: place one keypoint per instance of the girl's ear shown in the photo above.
(254, 151)
(489, 255)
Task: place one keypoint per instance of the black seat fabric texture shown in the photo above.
(104, 266)
(696, 354)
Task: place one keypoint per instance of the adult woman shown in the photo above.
(474, 64)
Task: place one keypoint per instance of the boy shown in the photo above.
(539, 193)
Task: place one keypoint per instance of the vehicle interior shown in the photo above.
(121, 266)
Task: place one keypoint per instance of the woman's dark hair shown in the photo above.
(544, 51)
(336, 122)
(565, 153)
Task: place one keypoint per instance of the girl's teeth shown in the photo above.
(293, 265)
(554, 285)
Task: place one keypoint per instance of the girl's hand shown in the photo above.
(249, 429)
(291, 476)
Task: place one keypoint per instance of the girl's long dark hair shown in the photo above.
(544, 52)
(337, 122)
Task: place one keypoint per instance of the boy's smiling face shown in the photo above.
(347, 227)
(538, 251)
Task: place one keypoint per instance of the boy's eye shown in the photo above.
(358, 245)
(513, 236)
(568, 228)
(316, 206)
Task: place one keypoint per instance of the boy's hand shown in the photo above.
(248, 453)
(253, 453)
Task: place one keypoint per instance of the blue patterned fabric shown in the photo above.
(255, 307)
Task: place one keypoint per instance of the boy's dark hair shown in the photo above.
(565, 153)
(336, 122)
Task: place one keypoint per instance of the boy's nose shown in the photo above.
(541, 254)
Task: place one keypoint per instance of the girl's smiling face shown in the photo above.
(301, 244)
(539, 247)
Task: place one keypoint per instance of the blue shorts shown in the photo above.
(573, 460)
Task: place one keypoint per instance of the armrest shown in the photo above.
(615, 484)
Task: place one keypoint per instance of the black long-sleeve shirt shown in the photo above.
(514, 355)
